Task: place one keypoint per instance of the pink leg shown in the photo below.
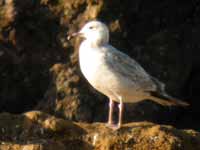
(121, 108)
(111, 104)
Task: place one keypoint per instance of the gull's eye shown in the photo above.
(91, 27)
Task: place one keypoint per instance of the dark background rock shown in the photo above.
(39, 67)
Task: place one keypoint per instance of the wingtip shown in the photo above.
(170, 102)
(177, 101)
(184, 104)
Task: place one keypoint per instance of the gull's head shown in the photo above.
(94, 32)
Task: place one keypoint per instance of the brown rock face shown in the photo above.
(38, 131)
(161, 36)
(7, 13)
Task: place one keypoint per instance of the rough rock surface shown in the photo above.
(38, 131)
(162, 35)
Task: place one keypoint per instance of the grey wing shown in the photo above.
(130, 69)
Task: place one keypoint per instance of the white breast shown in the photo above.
(90, 59)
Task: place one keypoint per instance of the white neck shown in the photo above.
(93, 44)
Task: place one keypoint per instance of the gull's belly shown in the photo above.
(107, 82)
(96, 72)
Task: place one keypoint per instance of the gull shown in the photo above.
(115, 74)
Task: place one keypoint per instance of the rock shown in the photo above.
(25, 45)
(7, 13)
(50, 145)
(39, 131)
(68, 96)
(158, 52)
(162, 37)
(72, 97)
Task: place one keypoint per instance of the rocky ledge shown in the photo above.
(36, 130)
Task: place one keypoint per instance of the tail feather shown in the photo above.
(163, 98)
(169, 101)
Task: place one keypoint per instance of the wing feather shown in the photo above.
(129, 68)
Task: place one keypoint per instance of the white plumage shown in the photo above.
(114, 73)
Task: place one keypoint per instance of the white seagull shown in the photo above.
(114, 73)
